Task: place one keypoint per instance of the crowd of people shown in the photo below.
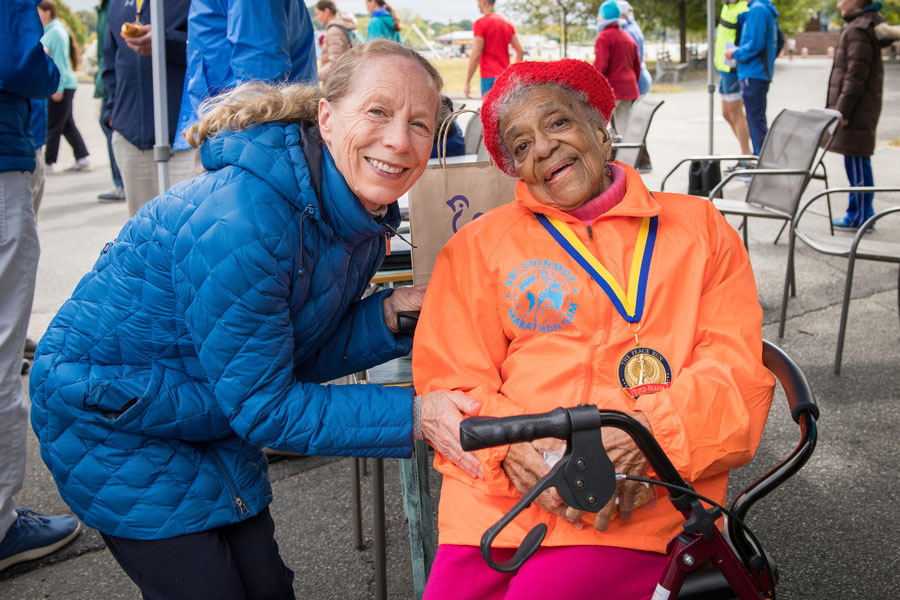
(207, 330)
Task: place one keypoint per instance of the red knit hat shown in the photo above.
(576, 75)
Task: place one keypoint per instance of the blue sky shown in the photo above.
(437, 10)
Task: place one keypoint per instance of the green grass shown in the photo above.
(453, 70)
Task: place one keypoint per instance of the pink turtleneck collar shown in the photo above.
(593, 208)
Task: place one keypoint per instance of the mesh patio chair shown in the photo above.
(789, 158)
(855, 248)
(474, 135)
(633, 145)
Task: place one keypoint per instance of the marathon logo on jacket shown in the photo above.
(540, 295)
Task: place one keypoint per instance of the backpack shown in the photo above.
(354, 38)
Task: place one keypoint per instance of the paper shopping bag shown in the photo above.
(444, 199)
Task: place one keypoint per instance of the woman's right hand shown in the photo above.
(441, 413)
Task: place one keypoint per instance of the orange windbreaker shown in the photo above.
(478, 334)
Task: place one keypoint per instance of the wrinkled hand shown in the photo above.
(143, 44)
(57, 96)
(627, 459)
(524, 465)
(441, 412)
(403, 298)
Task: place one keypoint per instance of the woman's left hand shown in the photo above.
(403, 298)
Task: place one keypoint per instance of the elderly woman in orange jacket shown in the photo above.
(587, 288)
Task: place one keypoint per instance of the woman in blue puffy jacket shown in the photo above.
(206, 327)
(383, 21)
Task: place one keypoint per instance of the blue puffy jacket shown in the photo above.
(235, 41)
(128, 77)
(25, 72)
(756, 54)
(201, 335)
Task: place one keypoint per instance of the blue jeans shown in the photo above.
(859, 172)
(486, 84)
(116, 176)
(753, 93)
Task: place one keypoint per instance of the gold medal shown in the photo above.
(643, 370)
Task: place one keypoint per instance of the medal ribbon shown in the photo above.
(629, 305)
(138, 5)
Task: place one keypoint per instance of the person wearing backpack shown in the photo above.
(755, 57)
(340, 35)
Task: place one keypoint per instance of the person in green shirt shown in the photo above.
(59, 44)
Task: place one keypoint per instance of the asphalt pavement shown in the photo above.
(831, 527)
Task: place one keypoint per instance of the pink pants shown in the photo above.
(554, 573)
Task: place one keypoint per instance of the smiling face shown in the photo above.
(381, 132)
(557, 150)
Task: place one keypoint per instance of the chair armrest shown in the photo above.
(841, 190)
(754, 172)
(621, 145)
(710, 157)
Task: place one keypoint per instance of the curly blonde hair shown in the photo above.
(253, 103)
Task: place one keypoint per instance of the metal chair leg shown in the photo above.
(844, 309)
(417, 506)
(355, 506)
(780, 231)
(746, 239)
(788, 282)
(379, 541)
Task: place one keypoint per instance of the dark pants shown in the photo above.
(236, 562)
(61, 123)
(116, 176)
(859, 172)
(753, 93)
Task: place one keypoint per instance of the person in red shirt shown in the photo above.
(616, 57)
(493, 36)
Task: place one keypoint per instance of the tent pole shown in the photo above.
(162, 151)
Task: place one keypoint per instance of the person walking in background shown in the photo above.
(855, 90)
(118, 193)
(634, 30)
(25, 72)
(340, 35)
(61, 46)
(646, 80)
(755, 57)
(616, 57)
(728, 37)
(127, 75)
(383, 21)
(236, 41)
(494, 34)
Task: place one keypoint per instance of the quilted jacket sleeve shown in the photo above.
(234, 272)
(460, 345)
(360, 342)
(712, 418)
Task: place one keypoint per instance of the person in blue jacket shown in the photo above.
(755, 58)
(383, 21)
(235, 41)
(26, 71)
(205, 329)
(128, 78)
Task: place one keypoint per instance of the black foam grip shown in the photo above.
(476, 433)
(407, 321)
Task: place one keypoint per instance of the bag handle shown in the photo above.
(445, 129)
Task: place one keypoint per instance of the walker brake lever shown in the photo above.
(584, 477)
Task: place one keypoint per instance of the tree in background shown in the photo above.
(541, 15)
(79, 29)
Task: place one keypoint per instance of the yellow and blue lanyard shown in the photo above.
(631, 304)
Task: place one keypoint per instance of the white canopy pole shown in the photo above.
(710, 66)
(161, 150)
